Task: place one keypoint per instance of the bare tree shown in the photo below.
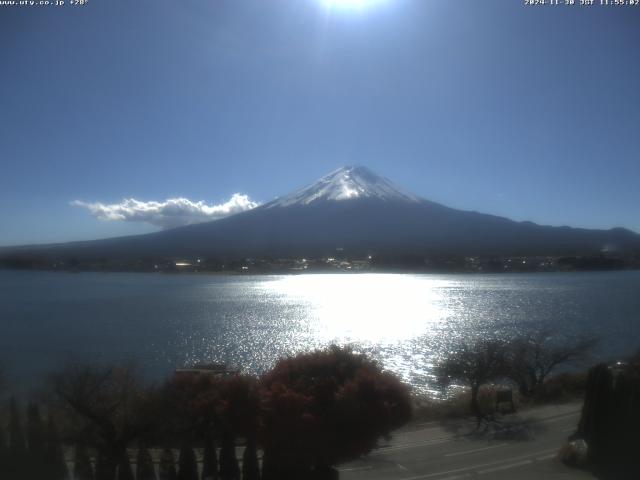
(474, 365)
(106, 408)
(3, 379)
(534, 357)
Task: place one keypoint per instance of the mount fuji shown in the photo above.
(355, 210)
(346, 183)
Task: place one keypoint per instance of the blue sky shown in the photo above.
(527, 112)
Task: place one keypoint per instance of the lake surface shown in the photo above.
(407, 322)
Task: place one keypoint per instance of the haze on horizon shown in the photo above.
(529, 113)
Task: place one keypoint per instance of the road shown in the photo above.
(523, 447)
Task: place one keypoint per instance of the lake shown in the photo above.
(407, 322)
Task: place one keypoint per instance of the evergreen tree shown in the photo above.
(82, 469)
(54, 453)
(35, 431)
(144, 470)
(4, 459)
(611, 419)
(188, 464)
(3, 440)
(210, 460)
(250, 468)
(105, 468)
(17, 451)
(17, 447)
(35, 441)
(270, 471)
(594, 424)
(229, 469)
(167, 465)
(124, 468)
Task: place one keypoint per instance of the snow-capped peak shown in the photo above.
(346, 183)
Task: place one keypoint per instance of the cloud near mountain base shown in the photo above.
(173, 212)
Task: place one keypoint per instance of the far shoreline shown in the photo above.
(231, 273)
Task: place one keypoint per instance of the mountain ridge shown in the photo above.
(351, 208)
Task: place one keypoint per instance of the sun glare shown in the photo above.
(360, 311)
(349, 4)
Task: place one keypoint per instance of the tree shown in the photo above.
(188, 464)
(473, 365)
(105, 467)
(36, 442)
(17, 450)
(144, 469)
(82, 469)
(167, 467)
(107, 408)
(17, 446)
(202, 407)
(3, 378)
(210, 460)
(190, 403)
(532, 358)
(324, 408)
(229, 468)
(125, 472)
(56, 464)
(238, 410)
(250, 467)
(4, 455)
(238, 405)
(610, 419)
(35, 431)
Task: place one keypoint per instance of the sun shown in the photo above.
(349, 4)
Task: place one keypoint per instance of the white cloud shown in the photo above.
(173, 212)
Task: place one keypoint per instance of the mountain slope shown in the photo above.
(353, 209)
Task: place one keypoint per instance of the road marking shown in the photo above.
(427, 424)
(466, 452)
(490, 464)
(505, 467)
(546, 457)
(437, 474)
(557, 418)
(382, 451)
(355, 469)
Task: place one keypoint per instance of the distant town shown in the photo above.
(340, 262)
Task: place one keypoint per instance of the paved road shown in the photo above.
(523, 447)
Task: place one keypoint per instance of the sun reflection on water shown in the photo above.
(408, 323)
(397, 319)
(374, 309)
